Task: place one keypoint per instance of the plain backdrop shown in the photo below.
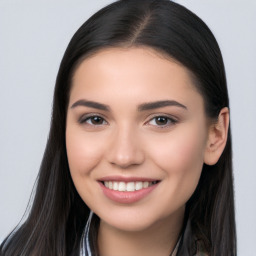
(33, 38)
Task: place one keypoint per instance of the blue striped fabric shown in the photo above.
(85, 249)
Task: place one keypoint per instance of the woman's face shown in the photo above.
(136, 135)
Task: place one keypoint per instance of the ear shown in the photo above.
(217, 138)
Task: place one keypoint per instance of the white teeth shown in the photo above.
(129, 186)
(145, 184)
(122, 186)
(115, 185)
(139, 185)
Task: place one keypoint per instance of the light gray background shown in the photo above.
(33, 37)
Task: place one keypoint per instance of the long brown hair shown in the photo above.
(58, 215)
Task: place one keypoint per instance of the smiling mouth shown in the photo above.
(128, 186)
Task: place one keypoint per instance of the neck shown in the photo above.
(158, 239)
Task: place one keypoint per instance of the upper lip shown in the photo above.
(126, 179)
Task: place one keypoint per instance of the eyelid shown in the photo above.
(172, 119)
(85, 117)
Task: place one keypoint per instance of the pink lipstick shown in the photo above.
(127, 190)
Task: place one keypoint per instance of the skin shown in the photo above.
(129, 142)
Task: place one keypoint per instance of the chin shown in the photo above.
(130, 225)
(137, 220)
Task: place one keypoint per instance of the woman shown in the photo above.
(138, 160)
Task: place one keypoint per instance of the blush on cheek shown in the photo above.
(180, 153)
(190, 147)
(181, 158)
(189, 159)
(82, 156)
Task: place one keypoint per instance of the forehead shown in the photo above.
(141, 74)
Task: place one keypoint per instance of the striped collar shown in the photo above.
(85, 249)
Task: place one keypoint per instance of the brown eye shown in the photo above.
(96, 120)
(162, 121)
(93, 120)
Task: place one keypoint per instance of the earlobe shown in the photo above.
(217, 138)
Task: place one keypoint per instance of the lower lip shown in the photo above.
(127, 197)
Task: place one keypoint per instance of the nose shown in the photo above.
(125, 149)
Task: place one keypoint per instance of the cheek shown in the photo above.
(181, 158)
(188, 155)
(83, 152)
(181, 148)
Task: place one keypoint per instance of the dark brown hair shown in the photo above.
(58, 215)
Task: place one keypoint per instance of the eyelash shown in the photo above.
(85, 119)
(171, 121)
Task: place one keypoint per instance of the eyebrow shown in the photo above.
(160, 104)
(91, 104)
(141, 107)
